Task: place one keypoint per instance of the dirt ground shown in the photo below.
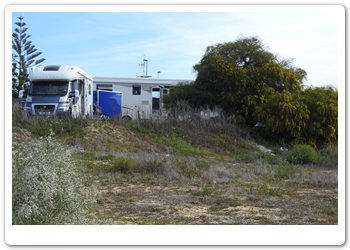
(151, 200)
(226, 193)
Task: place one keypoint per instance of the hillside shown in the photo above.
(203, 172)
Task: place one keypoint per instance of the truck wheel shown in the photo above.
(126, 118)
(103, 116)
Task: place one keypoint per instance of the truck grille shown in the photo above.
(44, 109)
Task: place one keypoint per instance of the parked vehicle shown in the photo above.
(69, 91)
(107, 104)
(142, 97)
(59, 90)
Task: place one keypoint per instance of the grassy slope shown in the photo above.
(174, 172)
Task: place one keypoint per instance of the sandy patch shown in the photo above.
(191, 211)
(269, 213)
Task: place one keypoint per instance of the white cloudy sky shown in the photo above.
(113, 43)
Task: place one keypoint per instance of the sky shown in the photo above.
(112, 41)
(115, 42)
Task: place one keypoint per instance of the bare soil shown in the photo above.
(153, 200)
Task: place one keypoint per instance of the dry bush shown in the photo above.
(47, 187)
(18, 110)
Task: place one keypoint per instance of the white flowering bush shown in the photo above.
(47, 187)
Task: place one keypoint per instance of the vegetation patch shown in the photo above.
(146, 176)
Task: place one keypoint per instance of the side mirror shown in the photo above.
(74, 93)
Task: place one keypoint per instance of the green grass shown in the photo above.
(43, 126)
(151, 172)
(176, 140)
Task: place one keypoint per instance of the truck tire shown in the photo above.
(104, 116)
(126, 118)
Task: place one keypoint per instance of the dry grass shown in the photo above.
(144, 177)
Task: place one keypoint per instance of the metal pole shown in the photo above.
(146, 65)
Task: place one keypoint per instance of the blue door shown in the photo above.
(107, 104)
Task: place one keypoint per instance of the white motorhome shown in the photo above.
(142, 97)
(59, 90)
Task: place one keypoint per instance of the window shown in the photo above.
(89, 89)
(107, 87)
(48, 88)
(76, 85)
(136, 89)
(52, 68)
(156, 93)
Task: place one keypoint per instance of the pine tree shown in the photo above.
(23, 57)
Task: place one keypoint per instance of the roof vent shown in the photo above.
(52, 68)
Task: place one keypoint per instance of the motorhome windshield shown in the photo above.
(50, 88)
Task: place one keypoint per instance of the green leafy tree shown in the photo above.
(238, 76)
(23, 56)
(285, 117)
(301, 117)
(323, 123)
(184, 91)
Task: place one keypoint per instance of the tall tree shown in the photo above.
(238, 76)
(24, 55)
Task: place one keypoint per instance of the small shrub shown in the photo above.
(106, 157)
(285, 171)
(247, 158)
(301, 154)
(202, 164)
(328, 156)
(123, 164)
(47, 187)
(244, 158)
(273, 159)
(153, 166)
(186, 168)
(87, 155)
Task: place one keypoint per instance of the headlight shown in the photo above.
(63, 106)
(27, 106)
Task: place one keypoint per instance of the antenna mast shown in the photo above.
(142, 64)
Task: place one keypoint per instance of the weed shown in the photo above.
(246, 158)
(106, 157)
(264, 190)
(282, 172)
(272, 159)
(152, 166)
(206, 191)
(87, 155)
(42, 126)
(123, 164)
(328, 156)
(184, 163)
(202, 164)
(301, 154)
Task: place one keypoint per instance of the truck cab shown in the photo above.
(59, 90)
